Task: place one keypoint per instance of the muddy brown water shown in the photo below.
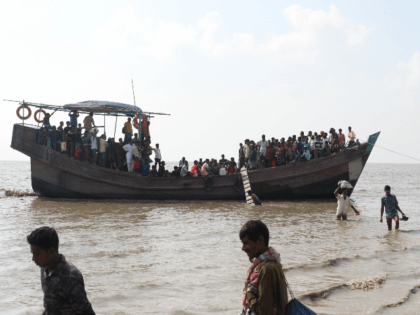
(185, 257)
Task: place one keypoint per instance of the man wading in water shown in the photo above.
(61, 281)
(265, 289)
(344, 204)
(390, 203)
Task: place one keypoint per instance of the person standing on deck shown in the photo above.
(158, 155)
(344, 204)
(102, 150)
(241, 157)
(46, 121)
(265, 290)
(73, 118)
(341, 138)
(247, 152)
(61, 281)
(129, 155)
(263, 150)
(181, 162)
(88, 122)
(390, 203)
(128, 130)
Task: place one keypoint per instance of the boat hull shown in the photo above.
(55, 175)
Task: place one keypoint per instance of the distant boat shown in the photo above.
(56, 175)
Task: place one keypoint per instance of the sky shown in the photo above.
(225, 70)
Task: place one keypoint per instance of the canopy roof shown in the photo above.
(103, 106)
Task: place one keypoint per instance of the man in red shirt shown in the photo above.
(195, 170)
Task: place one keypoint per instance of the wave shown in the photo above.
(16, 193)
(409, 231)
(366, 284)
(327, 263)
(404, 299)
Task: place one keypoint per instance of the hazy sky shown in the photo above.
(224, 70)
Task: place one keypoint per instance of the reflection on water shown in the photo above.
(185, 257)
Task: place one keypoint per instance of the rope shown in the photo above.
(410, 157)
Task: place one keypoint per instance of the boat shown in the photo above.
(55, 175)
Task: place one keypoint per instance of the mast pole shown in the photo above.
(134, 97)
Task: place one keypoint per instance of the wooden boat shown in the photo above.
(56, 175)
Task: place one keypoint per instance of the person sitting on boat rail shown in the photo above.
(232, 166)
(161, 169)
(352, 138)
(184, 170)
(145, 167)
(205, 170)
(195, 170)
(88, 122)
(306, 155)
(223, 162)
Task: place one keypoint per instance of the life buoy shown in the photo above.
(136, 122)
(36, 113)
(208, 183)
(238, 184)
(21, 107)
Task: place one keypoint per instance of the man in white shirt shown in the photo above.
(352, 138)
(344, 204)
(184, 169)
(94, 147)
(263, 150)
(129, 155)
(182, 162)
(158, 156)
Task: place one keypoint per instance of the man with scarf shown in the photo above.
(265, 291)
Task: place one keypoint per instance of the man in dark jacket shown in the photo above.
(62, 282)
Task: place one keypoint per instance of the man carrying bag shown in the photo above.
(265, 291)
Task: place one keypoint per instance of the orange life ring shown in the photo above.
(39, 111)
(136, 122)
(21, 107)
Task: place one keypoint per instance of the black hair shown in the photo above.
(44, 238)
(253, 229)
(387, 188)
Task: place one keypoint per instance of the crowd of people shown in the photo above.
(83, 143)
(133, 153)
(275, 152)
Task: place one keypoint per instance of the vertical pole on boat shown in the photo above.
(115, 128)
(137, 114)
(104, 122)
(23, 125)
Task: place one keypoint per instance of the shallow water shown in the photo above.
(185, 257)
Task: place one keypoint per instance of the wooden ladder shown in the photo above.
(247, 186)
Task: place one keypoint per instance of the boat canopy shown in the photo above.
(103, 106)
